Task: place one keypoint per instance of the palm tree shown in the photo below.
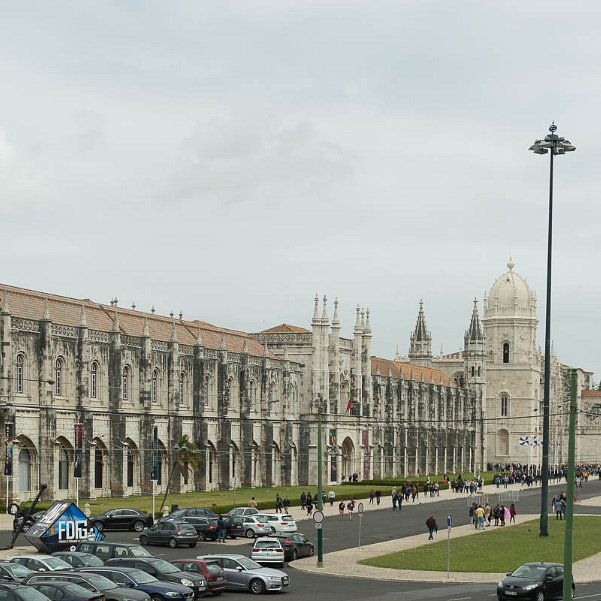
(186, 459)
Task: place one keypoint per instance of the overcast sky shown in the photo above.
(231, 159)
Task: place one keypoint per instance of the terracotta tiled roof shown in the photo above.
(30, 304)
(409, 371)
(285, 329)
(591, 394)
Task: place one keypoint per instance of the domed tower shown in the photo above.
(512, 368)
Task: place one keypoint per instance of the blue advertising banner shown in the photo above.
(63, 526)
(78, 450)
(154, 446)
(9, 434)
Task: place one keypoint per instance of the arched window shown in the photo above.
(502, 443)
(182, 387)
(94, 380)
(58, 377)
(125, 383)
(506, 352)
(63, 469)
(24, 470)
(473, 371)
(131, 462)
(20, 374)
(504, 405)
(478, 371)
(154, 385)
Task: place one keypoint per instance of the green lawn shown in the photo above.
(497, 549)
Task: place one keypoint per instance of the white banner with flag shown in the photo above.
(530, 441)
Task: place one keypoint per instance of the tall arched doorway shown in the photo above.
(348, 458)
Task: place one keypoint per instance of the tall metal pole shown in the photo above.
(319, 501)
(567, 544)
(544, 497)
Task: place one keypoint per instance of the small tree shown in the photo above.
(186, 459)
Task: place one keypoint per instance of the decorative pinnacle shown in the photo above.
(553, 127)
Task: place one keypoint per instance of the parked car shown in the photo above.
(212, 572)
(295, 545)
(279, 522)
(38, 562)
(268, 550)
(108, 550)
(535, 580)
(19, 592)
(164, 571)
(206, 528)
(254, 526)
(122, 519)
(30, 520)
(186, 512)
(242, 573)
(234, 527)
(243, 511)
(13, 572)
(77, 559)
(174, 534)
(131, 580)
(92, 582)
(65, 591)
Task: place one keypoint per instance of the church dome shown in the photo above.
(510, 294)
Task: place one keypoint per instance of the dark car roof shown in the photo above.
(76, 553)
(111, 567)
(114, 560)
(11, 584)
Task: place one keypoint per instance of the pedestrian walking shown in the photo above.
(309, 505)
(341, 507)
(512, 513)
(303, 499)
(286, 503)
(331, 497)
(278, 504)
(350, 507)
(432, 527)
(378, 496)
(220, 529)
(252, 502)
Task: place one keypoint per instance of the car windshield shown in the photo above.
(247, 563)
(287, 518)
(91, 561)
(164, 567)
(178, 514)
(76, 589)
(214, 568)
(17, 570)
(141, 577)
(57, 564)
(26, 593)
(100, 582)
(529, 571)
(139, 551)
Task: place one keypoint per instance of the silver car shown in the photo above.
(254, 527)
(268, 550)
(244, 574)
(243, 511)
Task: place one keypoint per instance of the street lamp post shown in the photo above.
(319, 502)
(557, 146)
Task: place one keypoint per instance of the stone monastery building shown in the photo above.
(138, 382)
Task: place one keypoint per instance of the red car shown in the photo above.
(212, 571)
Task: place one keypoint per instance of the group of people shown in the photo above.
(482, 516)
(559, 505)
(309, 501)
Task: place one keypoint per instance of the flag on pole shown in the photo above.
(349, 406)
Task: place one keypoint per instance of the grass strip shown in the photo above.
(497, 549)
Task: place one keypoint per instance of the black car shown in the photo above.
(295, 545)
(185, 512)
(65, 591)
(107, 550)
(30, 520)
(174, 534)
(122, 519)
(92, 582)
(164, 571)
(13, 572)
(79, 560)
(205, 527)
(14, 591)
(536, 580)
(132, 580)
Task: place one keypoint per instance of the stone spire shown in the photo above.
(199, 338)
(325, 320)
(173, 333)
(146, 331)
(367, 329)
(245, 347)
(316, 311)
(4, 306)
(83, 323)
(474, 331)
(265, 351)
(420, 349)
(358, 329)
(223, 345)
(116, 327)
(46, 316)
(336, 319)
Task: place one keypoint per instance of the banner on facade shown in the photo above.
(78, 450)
(366, 453)
(154, 449)
(530, 441)
(333, 444)
(9, 434)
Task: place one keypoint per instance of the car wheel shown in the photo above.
(144, 540)
(540, 596)
(192, 545)
(138, 526)
(249, 534)
(311, 552)
(257, 586)
(26, 527)
(201, 536)
(272, 530)
(172, 543)
(156, 598)
(98, 525)
(294, 554)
